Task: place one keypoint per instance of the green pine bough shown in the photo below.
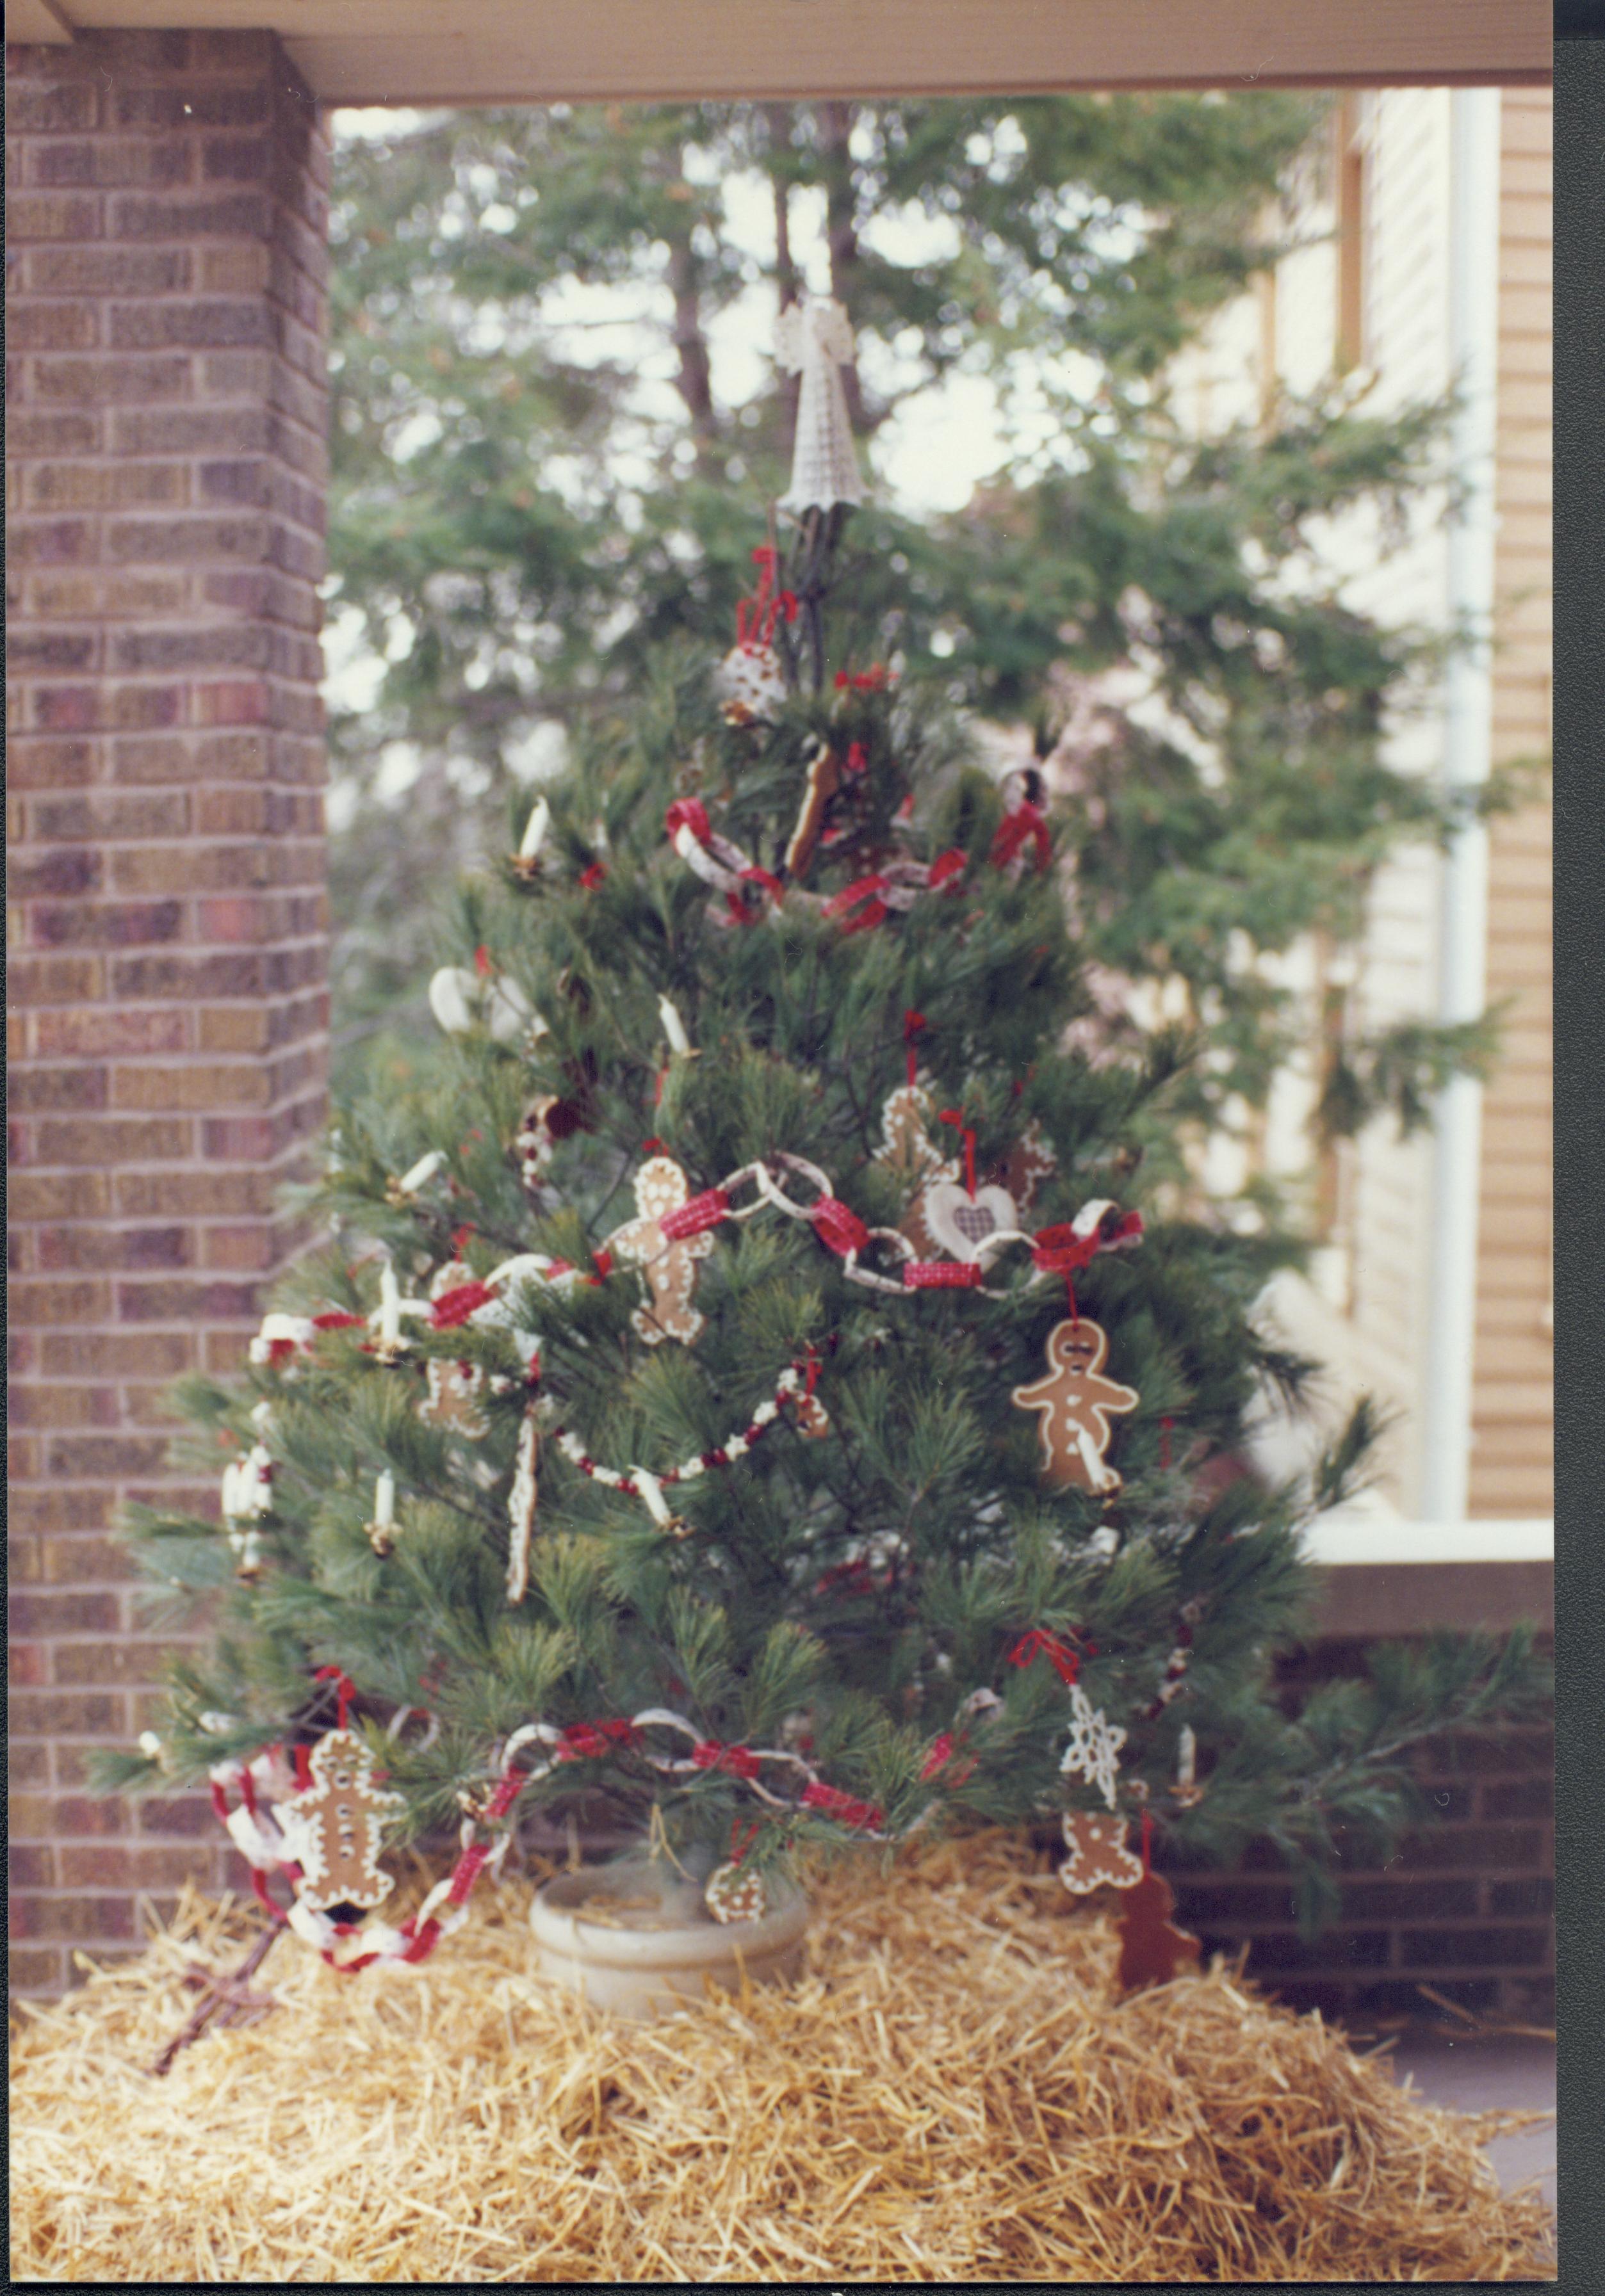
(870, 1626)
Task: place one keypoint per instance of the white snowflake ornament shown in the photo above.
(1093, 1750)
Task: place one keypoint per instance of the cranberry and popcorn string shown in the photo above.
(795, 1383)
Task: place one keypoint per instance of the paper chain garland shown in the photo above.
(485, 1303)
(723, 866)
(272, 1841)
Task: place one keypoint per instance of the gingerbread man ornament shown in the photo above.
(668, 1264)
(338, 1820)
(1074, 1402)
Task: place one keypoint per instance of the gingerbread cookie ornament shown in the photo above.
(337, 1822)
(1028, 1163)
(1099, 1856)
(909, 1153)
(736, 1893)
(1152, 1948)
(668, 1264)
(823, 782)
(1074, 1402)
(453, 1388)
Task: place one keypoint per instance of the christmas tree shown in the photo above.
(752, 1384)
(528, 499)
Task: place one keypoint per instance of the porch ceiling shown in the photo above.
(426, 52)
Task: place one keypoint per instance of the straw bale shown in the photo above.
(949, 2091)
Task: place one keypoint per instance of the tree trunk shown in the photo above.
(790, 286)
(695, 381)
(836, 120)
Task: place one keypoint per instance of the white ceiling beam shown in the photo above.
(36, 23)
(485, 51)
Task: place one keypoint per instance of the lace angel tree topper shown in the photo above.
(637, 1445)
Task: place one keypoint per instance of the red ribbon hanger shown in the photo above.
(755, 617)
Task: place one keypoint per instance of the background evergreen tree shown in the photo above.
(897, 1600)
(520, 523)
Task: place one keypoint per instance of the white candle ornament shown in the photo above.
(535, 830)
(674, 1028)
(419, 1174)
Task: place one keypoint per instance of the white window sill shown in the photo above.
(1346, 1535)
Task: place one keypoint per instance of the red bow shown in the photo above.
(336, 1320)
(1027, 821)
(1065, 1661)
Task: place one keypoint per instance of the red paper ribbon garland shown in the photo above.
(696, 1213)
(938, 1757)
(831, 1802)
(689, 813)
(455, 1307)
(838, 1227)
(942, 1274)
(739, 1761)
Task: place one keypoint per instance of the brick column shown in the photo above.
(165, 393)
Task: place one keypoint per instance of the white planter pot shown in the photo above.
(644, 1972)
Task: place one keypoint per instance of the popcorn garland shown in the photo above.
(794, 1384)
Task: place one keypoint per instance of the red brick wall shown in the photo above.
(166, 417)
(1466, 1906)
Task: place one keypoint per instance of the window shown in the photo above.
(1349, 188)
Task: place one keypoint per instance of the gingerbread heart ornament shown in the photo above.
(961, 1224)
